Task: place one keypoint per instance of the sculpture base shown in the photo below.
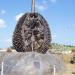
(31, 63)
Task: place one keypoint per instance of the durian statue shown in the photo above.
(32, 33)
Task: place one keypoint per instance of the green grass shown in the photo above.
(59, 47)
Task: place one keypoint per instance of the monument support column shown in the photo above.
(33, 6)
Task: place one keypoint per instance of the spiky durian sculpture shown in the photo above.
(32, 33)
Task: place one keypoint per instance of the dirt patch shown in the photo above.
(70, 68)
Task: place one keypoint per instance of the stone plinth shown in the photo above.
(31, 63)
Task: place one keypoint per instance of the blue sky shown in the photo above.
(60, 15)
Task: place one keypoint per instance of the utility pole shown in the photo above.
(33, 6)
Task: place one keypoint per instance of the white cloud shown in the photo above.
(2, 23)
(6, 42)
(53, 1)
(9, 40)
(42, 6)
(53, 37)
(3, 11)
(19, 16)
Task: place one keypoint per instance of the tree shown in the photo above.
(12, 47)
(9, 50)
